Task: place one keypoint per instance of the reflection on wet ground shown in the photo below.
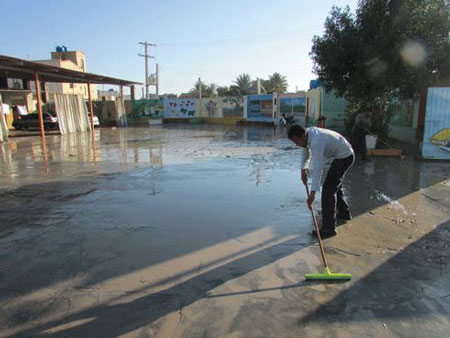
(163, 218)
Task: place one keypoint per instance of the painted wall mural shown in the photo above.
(260, 108)
(442, 139)
(180, 108)
(436, 139)
(210, 107)
(333, 108)
(295, 106)
(401, 113)
(233, 106)
(289, 105)
(314, 96)
(152, 109)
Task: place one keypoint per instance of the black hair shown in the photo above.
(296, 130)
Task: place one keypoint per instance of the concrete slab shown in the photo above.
(203, 231)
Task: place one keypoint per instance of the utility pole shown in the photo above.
(146, 56)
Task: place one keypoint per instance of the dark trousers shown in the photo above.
(359, 141)
(332, 195)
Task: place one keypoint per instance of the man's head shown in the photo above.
(298, 135)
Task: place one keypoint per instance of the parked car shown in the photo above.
(88, 109)
(96, 120)
(31, 121)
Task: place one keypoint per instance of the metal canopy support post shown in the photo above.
(121, 94)
(38, 97)
(90, 107)
(41, 119)
(132, 92)
(92, 121)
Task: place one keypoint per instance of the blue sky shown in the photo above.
(214, 40)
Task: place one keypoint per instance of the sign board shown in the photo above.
(260, 108)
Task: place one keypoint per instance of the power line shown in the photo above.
(255, 39)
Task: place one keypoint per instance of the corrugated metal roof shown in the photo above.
(23, 69)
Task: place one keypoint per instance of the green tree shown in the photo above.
(208, 90)
(223, 91)
(196, 90)
(234, 91)
(244, 84)
(277, 83)
(386, 49)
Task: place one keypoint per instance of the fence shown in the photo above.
(257, 108)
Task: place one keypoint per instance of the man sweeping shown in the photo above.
(320, 145)
(363, 123)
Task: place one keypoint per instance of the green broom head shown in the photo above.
(327, 275)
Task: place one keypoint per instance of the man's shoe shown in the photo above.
(325, 234)
(344, 216)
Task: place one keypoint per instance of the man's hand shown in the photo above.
(312, 197)
(304, 178)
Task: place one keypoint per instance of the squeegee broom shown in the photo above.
(327, 274)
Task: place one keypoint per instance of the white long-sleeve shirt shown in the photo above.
(323, 144)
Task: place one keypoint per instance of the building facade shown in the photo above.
(73, 60)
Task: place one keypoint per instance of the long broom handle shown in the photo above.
(316, 225)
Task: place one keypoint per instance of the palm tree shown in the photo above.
(277, 83)
(244, 83)
(210, 90)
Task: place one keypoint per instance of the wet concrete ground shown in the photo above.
(203, 231)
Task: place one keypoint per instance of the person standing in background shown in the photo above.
(363, 123)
